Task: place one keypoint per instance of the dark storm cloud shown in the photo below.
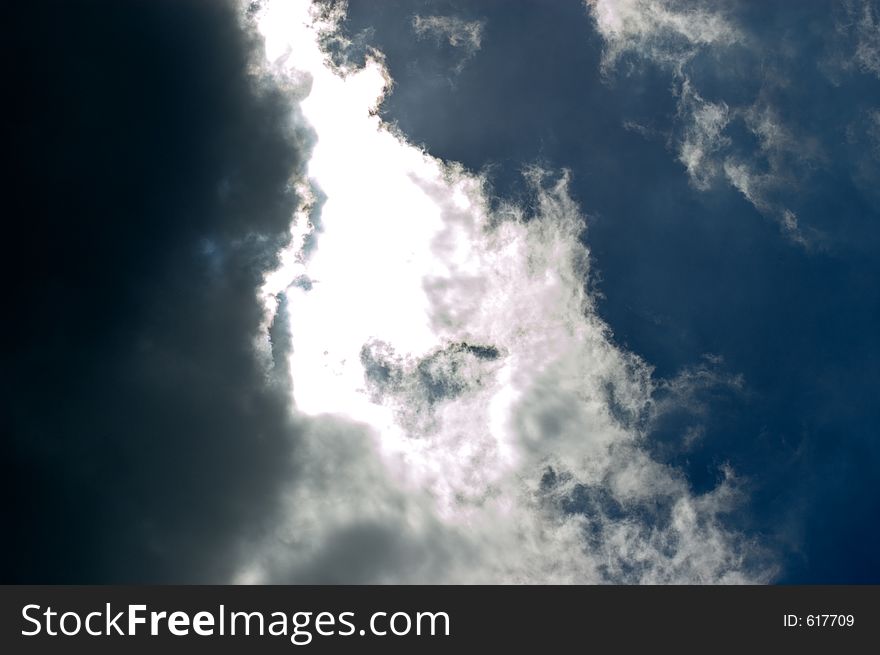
(144, 436)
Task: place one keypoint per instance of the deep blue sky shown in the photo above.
(685, 272)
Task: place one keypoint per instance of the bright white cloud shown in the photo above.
(465, 416)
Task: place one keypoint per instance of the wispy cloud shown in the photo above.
(703, 137)
(856, 38)
(666, 31)
(669, 34)
(457, 32)
(464, 36)
(873, 130)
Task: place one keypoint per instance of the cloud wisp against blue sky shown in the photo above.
(581, 291)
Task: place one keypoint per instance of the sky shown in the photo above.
(443, 291)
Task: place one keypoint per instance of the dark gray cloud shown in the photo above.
(144, 434)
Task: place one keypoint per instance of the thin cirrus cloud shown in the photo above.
(456, 31)
(465, 415)
(672, 35)
(465, 37)
(663, 30)
(857, 36)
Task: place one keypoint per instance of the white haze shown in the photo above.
(464, 414)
